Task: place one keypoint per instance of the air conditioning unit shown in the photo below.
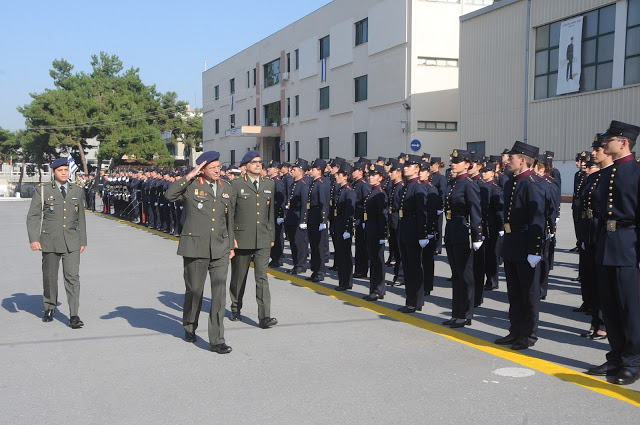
(285, 76)
(285, 120)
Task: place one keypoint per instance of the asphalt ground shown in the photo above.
(333, 358)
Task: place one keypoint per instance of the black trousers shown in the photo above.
(590, 281)
(491, 261)
(362, 258)
(318, 243)
(439, 235)
(394, 248)
(461, 261)
(523, 291)
(278, 245)
(428, 265)
(411, 256)
(619, 290)
(545, 266)
(478, 275)
(376, 259)
(298, 242)
(344, 261)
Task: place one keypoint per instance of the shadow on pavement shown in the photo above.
(149, 318)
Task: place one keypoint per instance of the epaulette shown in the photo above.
(349, 187)
(320, 180)
(226, 181)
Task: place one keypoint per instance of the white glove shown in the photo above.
(552, 235)
(382, 241)
(501, 232)
(483, 238)
(582, 245)
(279, 220)
(548, 236)
(363, 224)
(181, 207)
(155, 204)
(439, 212)
(303, 226)
(346, 235)
(431, 236)
(557, 220)
(476, 245)
(423, 242)
(533, 260)
(322, 226)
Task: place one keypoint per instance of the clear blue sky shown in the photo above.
(168, 40)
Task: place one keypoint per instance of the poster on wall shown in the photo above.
(570, 56)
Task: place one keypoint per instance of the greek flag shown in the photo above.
(73, 167)
(323, 70)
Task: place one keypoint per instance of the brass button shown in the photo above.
(610, 213)
(65, 209)
(258, 204)
(212, 229)
(610, 206)
(614, 169)
(189, 233)
(64, 202)
(214, 210)
(64, 217)
(259, 211)
(258, 222)
(64, 225)
(213, 219)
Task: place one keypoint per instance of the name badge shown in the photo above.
(267, 191)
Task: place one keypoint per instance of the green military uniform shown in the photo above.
(205, 244)
(62, 232)
(254, 229)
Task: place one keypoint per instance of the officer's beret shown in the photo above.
(249, 156)
(319, 163)
(621, 129)
(435, 160)
(382, 158)
(395, 164)
(459, 155)
(302, 164)
(376, 169)
(208, 157)
(495, 158)
(598, 140)
(521, 148)
(58, 163)
(345, 168)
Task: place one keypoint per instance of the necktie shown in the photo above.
(213, 187)
(255, 184)
(64, 192)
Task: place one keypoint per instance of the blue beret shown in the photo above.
(208, 157)
(58, 163)
(249, 157)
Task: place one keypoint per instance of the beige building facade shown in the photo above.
(354, 78)
(510, 62)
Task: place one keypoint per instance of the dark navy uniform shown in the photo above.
(375, 219)
(362, 189)
(296, 211)
(344, 210)
(493, 226)
(484, 192)
(440, 183)
(552, 210)
(279, 202)
(394, 196)
(318, 214)
(434, 204)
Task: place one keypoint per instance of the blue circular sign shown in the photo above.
(416, 145)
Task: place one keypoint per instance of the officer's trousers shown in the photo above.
(239, 269)
(71, 274)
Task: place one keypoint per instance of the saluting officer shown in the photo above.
(206, 244)
(254, 231)
(524, 222)
(375, 227)
(617, 255)
(296, 212)
(343, 227)
(56, 226)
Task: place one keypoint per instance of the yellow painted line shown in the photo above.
(568, 375)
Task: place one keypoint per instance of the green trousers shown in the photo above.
(70, 272)
(239, 270)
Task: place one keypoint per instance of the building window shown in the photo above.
(272, 73)
(288, 62)
(232, 120)
(361, 88)
(437, 126)
(297, 52)
(248, 116)
(232, 85)
(254, 77)
(324, 98)
(449, 62)
(233, 157)
(272, 113)
(477, 147)
(248, 79)
(288, 107)
(288, 151)
(217, 126)
(216, 91)
(255, 115)
(362, 31)
(323, 148)
(297, 105)
(546, 70)
(297, 148)
(632, 55)
(361, 144)
(324, 47)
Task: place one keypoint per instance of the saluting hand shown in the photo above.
(195, 172)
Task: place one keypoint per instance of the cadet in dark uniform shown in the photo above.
(553, 172)
(206, 244)
(494, 227)
(273, 170)
(522, 248)
(375, 226)
(617, 255)
(296, 211)
(578, 180)
(462, 236)
(394, 190)
(434, 204)
(343, 211)
(440, 183)
(484, 191)
(254, 230)
(362, 189)
(56, 226)
(317, 219)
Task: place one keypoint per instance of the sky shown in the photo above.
(169, 41)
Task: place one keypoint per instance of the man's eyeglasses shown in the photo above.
(255, 162)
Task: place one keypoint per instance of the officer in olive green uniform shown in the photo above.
(62, 236)
(206, 243)
(254, 230)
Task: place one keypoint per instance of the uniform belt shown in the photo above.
(510, 228)
(613, 225)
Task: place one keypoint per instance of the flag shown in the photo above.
(73, 167)
(232, 102)
(323, 71)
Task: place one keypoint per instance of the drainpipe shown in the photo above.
(526, 73)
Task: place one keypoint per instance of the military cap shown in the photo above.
(426, 156)
(436, 160)
(319, 163)
(495, 158)
(505, 152)
(285, 164)
(382, 158)
(598, 140)
(477, 157)
(337, 161)
(208, 157)
(59, 163)
(302, 164)
(412, 159)
(358, 166)
(376, 169)
(578, 157)
(521, 148)
(345, 168)
(395, 164)
(621, 129)
(583, 156)
(273, 164)
(424, 165)
(489, 166)
(589, 161)
(402, 155)
(249, 156)
(459, 155)
(548, 154)
(364, 160)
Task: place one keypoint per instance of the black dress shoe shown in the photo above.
(605, 369)
(582, 309)
(449, 322)
(333, 268)
(220, 348)
(267, 322)
(487, 288)
(359, 275)
(190, 336)
(626, 376)
(48, 316)
(235, 316)
(373, 297)
(274, 264)
(506, 340)
(596, 336)
(587, 334)
(461, 323)
(409, 309)
(317, 279)
(575, 279)
(340, 288)
(75, 322)
(293, 271)
(522, 344)
(313, 276)
(574, 249)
